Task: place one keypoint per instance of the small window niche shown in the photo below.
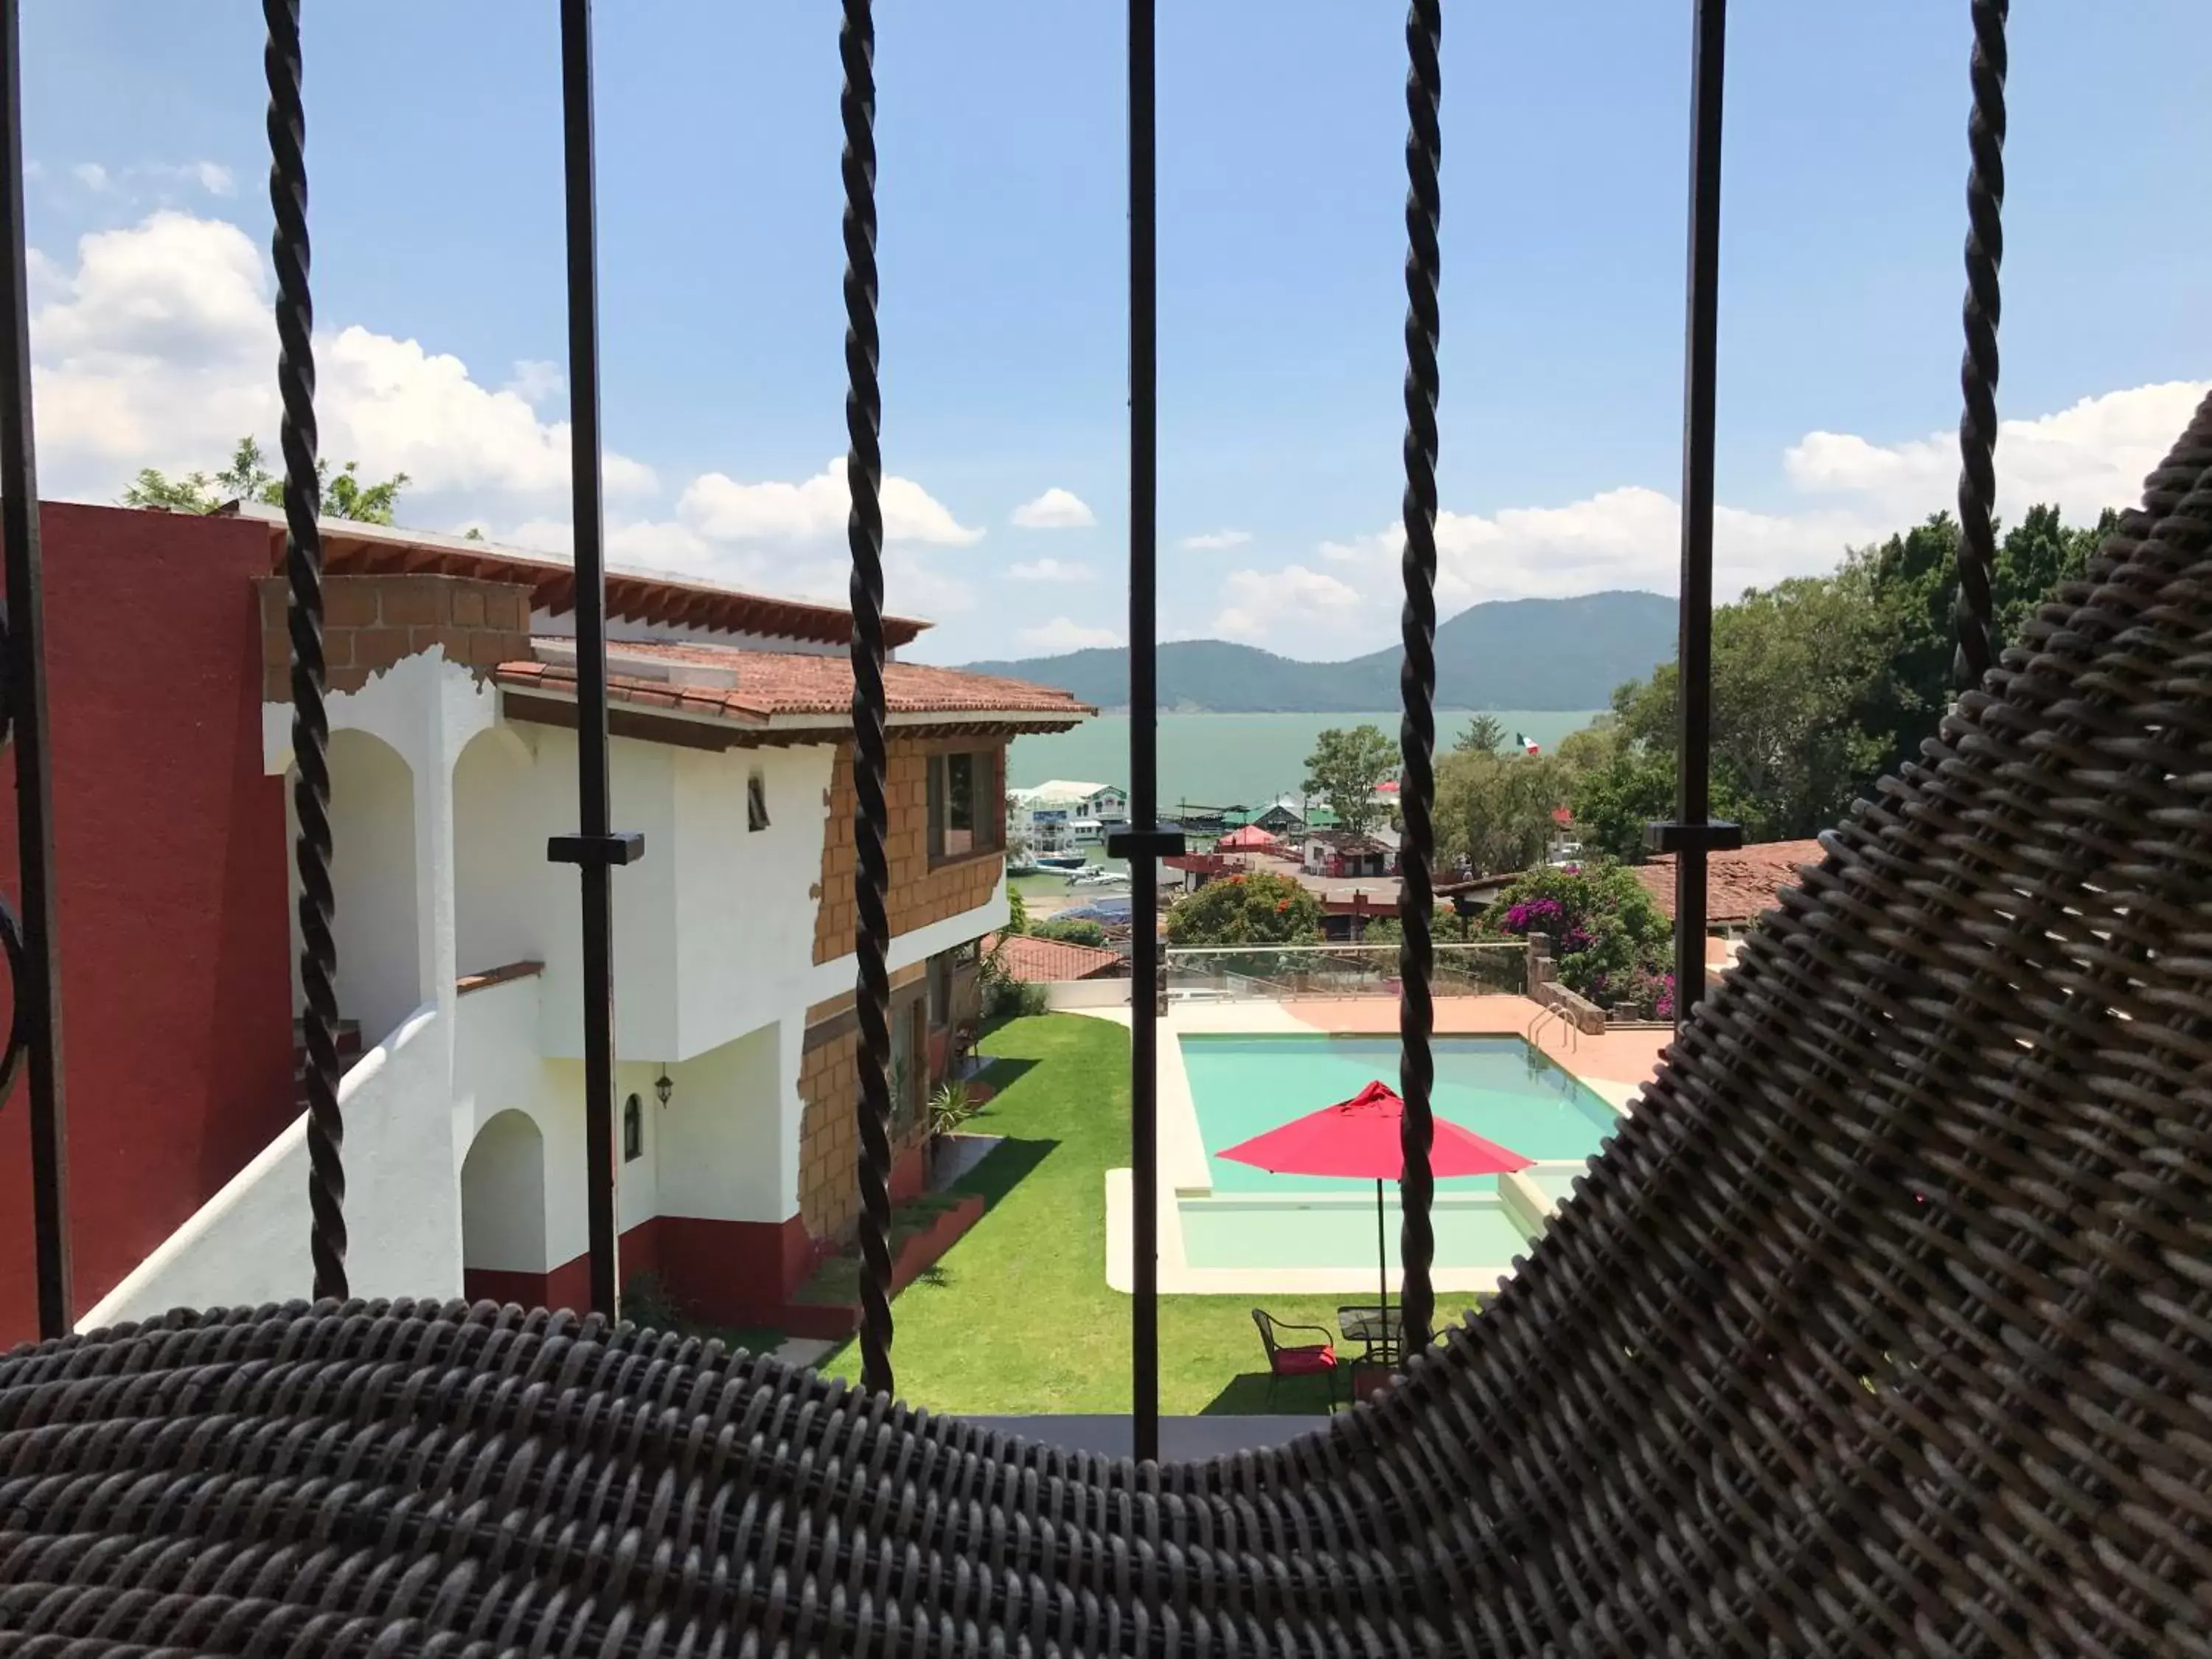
(633, 1129)
(756, 801)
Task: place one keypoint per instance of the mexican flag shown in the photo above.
(1528, 744)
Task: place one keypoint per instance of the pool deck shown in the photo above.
(1612, 1066)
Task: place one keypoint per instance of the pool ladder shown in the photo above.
(1536, 1025)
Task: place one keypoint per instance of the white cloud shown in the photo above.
(1254, 601)
(912, 587)
(2092, 455)
(1056, 509)
(535, 381)
(722, 509)
(1214, 541)
(158, 349)
(2086, 458)
(1051, 570)
(212, 177)
(1065, 633)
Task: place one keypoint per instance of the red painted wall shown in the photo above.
(170, 860)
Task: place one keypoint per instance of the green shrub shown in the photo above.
(1262, 908)
(648, 1302)
(1012, 998)
(950, 1107)
(1070, 933)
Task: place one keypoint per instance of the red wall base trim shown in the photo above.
(720, 1272)
(833, 1319)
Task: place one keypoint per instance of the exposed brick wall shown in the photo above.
(369, 622)
(917, 894)
(829, 1138)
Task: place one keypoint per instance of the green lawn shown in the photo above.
(1017, 1317)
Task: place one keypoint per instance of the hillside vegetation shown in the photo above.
(1511, 653)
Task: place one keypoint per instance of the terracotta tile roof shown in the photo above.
(1047, 961)
(1740, 885)
(362, 549)
(754, 687)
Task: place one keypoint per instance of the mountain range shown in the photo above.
(1507, 653)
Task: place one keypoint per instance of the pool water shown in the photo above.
(1498, 1086)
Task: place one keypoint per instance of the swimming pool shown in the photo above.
(1498, 1086)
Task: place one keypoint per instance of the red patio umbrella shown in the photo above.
(1358, 1139)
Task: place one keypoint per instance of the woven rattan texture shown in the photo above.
(1884, 1327)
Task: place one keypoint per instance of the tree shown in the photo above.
(1819, 684)
(1603, 927)
(186, 493)
(248, 479)
(1484, 736)
(1252, 909)
(347, 497)
(1495, 810)
(1017, 911)
(1344, 771)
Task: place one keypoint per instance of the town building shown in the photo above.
(453, 760)
(1338, 854)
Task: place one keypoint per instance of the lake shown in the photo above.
(1236, 760)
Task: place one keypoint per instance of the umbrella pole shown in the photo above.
(1382, 1259)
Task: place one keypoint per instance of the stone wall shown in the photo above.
(369, 622)
(917, 895)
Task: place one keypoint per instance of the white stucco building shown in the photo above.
(452, 756)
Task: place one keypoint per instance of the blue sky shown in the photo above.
(433, 156)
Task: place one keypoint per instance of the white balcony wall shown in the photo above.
(503, 890)
(728, 1147)
(744, 929)
(248, 1244)
(642, 783)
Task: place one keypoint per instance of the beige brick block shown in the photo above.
(349, 602)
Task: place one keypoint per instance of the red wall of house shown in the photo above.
(170, 858)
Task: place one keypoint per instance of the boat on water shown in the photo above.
(1062, 860)
(1099, 876)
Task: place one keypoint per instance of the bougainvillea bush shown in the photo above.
(1604, 930)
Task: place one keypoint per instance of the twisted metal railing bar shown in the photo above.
(864, 534)
(288, 253)
(34, 1036)
(1417, 676)
(1974, 611)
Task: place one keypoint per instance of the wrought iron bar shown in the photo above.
(1144, 737)
(1694, 833)
(1977, 371)
(1417, 671)
(303, 570)
(33, 961)
(864, 534)
(596, 849)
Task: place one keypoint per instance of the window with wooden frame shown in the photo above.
(967, 812)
